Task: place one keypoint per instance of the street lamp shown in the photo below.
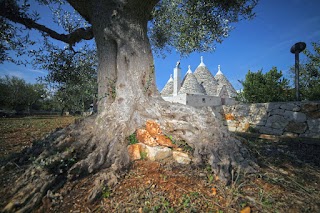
(296, 49)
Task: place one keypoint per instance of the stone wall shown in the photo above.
(293, 119)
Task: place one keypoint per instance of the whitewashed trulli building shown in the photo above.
(200, 88)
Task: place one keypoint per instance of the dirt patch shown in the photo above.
(19, 133)
(288, 181)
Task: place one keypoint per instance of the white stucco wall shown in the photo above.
(180, 98)
(197, 100)
(202, 100)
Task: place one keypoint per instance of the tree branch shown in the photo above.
(12, 13)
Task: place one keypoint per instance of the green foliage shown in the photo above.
(268, 87)
(143, 155)
(16, 94)
(106, 192)
(132, 139)
(172, 139)
(309, 74)
(185, 146)
(196, 25)
(72, 76)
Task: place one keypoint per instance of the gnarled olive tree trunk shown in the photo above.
(127, 98)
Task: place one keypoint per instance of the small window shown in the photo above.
(203, 100)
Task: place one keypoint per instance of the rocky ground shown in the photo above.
(288, 180)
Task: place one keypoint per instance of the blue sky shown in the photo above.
(260, 43)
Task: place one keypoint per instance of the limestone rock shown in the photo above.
(164, 141)
(135, 150)
(314, 125)
(153, 128)
(277, 122)
(277, 112)
(290, 107)
(270, 131)
(181, 157)
(295, 116)
(313, 114)
(144, 136)
(271, 106)
(158, 152)
(296, 127)
(311, 107)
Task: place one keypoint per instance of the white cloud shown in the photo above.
(38, 71)
(12, 73)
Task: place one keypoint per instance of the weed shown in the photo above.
(106, 192)
(185, 146)
(143, 155)
(164, 177)
(171, 138)
(210, 178)
(194, 194)
(133, 139)
(186, 201)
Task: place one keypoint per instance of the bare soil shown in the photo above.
(288, 180)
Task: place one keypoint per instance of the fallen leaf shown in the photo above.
(246, 210)
(214, 191)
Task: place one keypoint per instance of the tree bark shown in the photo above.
(127, 98)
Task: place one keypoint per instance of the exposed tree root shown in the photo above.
(98, 144)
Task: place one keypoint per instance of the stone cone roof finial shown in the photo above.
(170, 79)
(219, 71)
(201, 63)
(189, 69)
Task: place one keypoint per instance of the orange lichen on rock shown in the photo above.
(164, 141)
(134, 151)
(229, 116)
(144, 136)
(153, 128)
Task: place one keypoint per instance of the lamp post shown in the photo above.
(296, 49)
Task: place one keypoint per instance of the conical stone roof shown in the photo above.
(168, 88)
(206, 79)
(190, 85)
(222, 80)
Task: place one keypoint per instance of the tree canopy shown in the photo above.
(72, 76)
(269, 87)
(186, 25)
(16, 94)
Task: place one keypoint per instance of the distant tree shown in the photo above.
(309, 74)
(18, 95)
(72, 76)
(268, 87)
